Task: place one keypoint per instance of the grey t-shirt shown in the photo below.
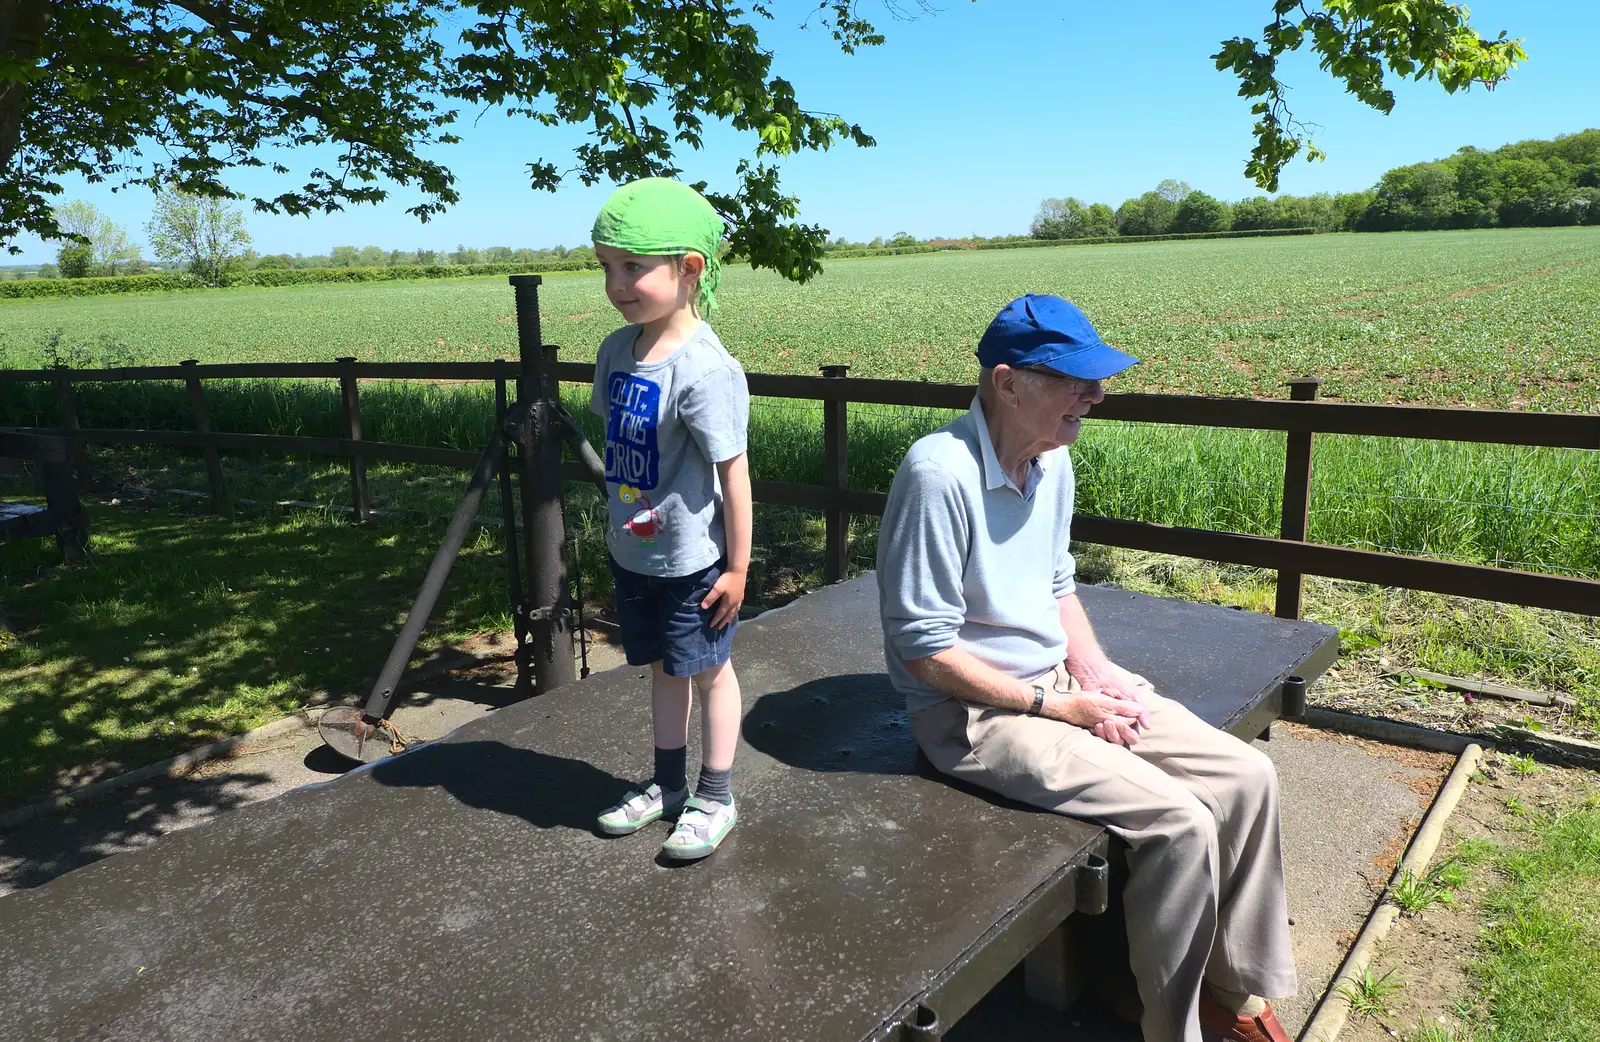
(668, 424)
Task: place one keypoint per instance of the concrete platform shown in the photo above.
(458, 889)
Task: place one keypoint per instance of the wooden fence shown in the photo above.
(1301, 417)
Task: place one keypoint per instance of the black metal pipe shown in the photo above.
(587, 458)
(508, 519)
(377, 707)
(1093, 878)
(924, 1025)
(547, 609)
(1293, 704)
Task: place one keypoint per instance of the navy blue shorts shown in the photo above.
(661, 619)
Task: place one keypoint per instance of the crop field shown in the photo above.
(1492, 318)
(1504, 319)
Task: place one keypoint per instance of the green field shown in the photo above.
(1490, 318)
(100, 667)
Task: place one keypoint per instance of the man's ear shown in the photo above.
(1005, 383)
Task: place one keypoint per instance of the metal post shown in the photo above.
(1296, 497)
(547, 606)
(67, 404)
(508, 521)
(382, 696)
(350, 398)
(202, 423)
(836, 473)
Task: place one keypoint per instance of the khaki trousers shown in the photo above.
(1199, 811)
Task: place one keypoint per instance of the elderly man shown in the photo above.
(1007, 688)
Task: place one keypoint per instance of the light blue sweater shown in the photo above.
(966, 559)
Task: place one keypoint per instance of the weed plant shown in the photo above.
(1370, 996)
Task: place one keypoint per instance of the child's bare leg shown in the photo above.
(721, 712)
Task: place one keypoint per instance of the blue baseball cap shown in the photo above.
(1041, 329)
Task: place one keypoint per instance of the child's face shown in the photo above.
(646, 289)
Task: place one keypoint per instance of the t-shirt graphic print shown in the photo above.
(633, 454)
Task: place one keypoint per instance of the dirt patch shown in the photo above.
(1384, 864)
(1430, 954)
(1473, 291)
(1221, 320)
(1370, 293)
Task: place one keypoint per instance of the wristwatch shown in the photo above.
(1038, 701)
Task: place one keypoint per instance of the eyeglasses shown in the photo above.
(1074, 384)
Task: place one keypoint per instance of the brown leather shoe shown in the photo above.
(1226, 1025)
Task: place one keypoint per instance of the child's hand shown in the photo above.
(729, 589)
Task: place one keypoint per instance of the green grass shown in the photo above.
(1484, 318)
(1538, 965)
(188, 626)
(1499, 505)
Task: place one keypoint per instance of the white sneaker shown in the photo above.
(701, 826)
(640, 808)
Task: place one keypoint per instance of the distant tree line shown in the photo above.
(1531, 183)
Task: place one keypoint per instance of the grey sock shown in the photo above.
(715, 785)
(672, 768)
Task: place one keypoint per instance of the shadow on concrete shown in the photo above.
(854, 722)
(324, 760)
(545, 791)
(33, 855)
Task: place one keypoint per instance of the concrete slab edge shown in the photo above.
(1395, 733)
(1383, 730)
(171, 767)
(1333, 1010)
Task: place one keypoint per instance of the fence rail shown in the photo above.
(1301, 418)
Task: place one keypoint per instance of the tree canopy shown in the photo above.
(178, 94)
(1357, 41)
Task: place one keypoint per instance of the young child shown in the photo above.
(678, 494)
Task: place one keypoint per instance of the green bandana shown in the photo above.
(657, 216)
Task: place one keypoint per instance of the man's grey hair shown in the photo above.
(1029, 381)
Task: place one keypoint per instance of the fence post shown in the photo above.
(836, 473)
(1296, 497)
(350, 396)
(543, 525)
(67, 405)
(202, 423)
(61, 498)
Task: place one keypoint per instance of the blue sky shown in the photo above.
(980, 111)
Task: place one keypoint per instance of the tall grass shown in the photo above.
(1523, 507)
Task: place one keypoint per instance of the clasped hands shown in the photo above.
(1113, 704)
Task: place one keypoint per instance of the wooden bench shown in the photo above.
(458, 891)
(62, 515)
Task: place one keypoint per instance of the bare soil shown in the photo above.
(1430, 953)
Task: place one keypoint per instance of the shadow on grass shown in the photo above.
(187, 627)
